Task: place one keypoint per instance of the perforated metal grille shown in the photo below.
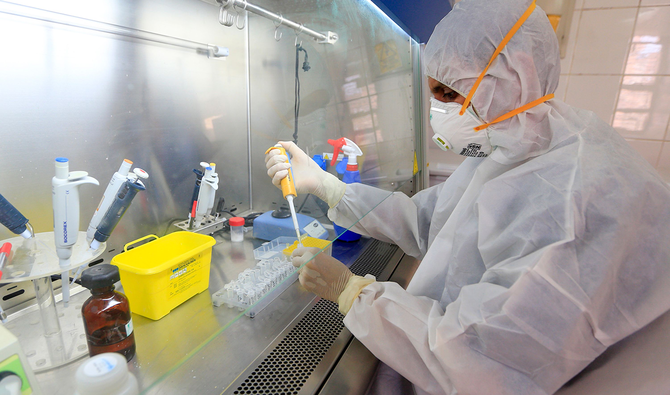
(288, 366)
(374, 259)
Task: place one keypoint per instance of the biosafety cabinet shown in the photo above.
(169, 84)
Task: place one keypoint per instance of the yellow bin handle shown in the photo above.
(125, 247)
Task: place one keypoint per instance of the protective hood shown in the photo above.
(526, 69)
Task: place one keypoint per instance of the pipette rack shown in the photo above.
(209, 225)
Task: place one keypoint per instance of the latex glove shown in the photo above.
(308, 177)
(322, 274)
(329, 278)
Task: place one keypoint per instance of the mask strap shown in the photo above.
(517, 111)
(502, 45)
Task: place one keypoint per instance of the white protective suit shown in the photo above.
(534, 259)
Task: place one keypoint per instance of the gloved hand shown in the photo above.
(308, 177)
(328, 278)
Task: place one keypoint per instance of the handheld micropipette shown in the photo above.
(13, 219)
(206, 195)
(65, 195)
(120, 203)
(196, 192)
(288, 189)
(115, 183)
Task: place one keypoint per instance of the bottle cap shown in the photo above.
(236, 221)
(99, 276)
(107, 374)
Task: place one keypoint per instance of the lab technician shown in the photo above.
(548, 244)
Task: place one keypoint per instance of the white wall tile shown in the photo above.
(654, 2)
(597, 93)
(562, 86)
(643, 107)
(649, 49)
(664, 162)
(609, 3)
(579, 4)
(650, 150)
(602, 41)
(566, 61)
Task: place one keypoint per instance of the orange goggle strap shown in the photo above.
(504, 42)
(517, 111)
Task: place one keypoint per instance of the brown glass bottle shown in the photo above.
(107, 319)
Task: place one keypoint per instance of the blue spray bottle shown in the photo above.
(351, 175)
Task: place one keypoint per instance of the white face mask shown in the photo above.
(456, 132)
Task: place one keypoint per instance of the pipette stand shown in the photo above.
(60, 338)
(208, 225)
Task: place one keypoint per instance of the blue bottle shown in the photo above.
(351, 175)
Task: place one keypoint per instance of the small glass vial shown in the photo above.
(107, 319)
(236, 229)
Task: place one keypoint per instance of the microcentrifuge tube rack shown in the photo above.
(257, 287)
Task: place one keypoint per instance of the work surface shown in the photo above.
(202, 349)
(199, 348)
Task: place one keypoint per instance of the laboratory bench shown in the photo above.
(292, 346)
(299, 345)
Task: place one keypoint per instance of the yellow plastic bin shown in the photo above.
(161, 275)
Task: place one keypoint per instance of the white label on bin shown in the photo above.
(182, 276)
(314, 229)
(99, 366)
(129, 327)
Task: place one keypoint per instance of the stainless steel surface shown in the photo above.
(356, 368)
(301, 360)
(353, 372)
(98, 98)
(405, 271)
(292, 363)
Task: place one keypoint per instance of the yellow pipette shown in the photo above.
(288, 189)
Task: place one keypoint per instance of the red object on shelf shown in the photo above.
(4, 255)
(236, 221)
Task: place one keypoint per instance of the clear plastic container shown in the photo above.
(105, 374)
(236, 229)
